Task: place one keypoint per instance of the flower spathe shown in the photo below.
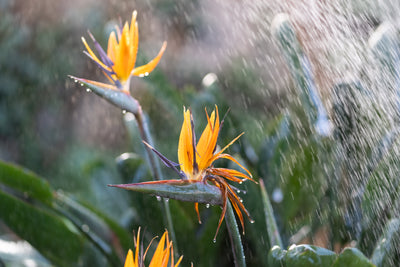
(196, 162)
(161, 256)
(118, 64)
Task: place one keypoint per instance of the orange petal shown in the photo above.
(179, 261)
(129, 260)
(94, 57)
(224, 174)
(159, 253)
(224, 194)
(149, 67)
(196, 207)
(238, 212)
(227, 156)
(137, 249)
(122, 67)
(228, 145)
(185, 147)
(112, 45)
(233, 173)
(205, 142)
(133, 41)
(209, 145)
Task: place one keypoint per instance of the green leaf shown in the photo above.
(53, 237)
(309, 256)
(272, 228)
(25, 182)
(352, 257)
(276, 257)
(114, 96)
(97, 230)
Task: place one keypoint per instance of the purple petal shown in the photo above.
(103, 55)
(167, 162)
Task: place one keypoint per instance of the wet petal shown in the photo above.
(129, 260)
(112, 45)
(185, 146)
(149, 67)
(227, 156)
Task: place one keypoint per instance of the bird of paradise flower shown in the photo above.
(196, 164)
(118, 64)
(161, 256)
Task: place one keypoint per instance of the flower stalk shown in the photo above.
(234, 235)
(155, 168)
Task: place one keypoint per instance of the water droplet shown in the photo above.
(215, 240)
(158, 198)
(76, 81)
(123, 111)
(141, 75)
(238, 191)
(85, 228)
(241, 182)
(209, 79)
(207, 206)
(241, 200)
(277, 195)
(166, 199)
(88, 90)
(82, 84)
(146, 74)
(252, 221)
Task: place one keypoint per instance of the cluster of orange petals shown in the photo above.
(196, 161)
(118, 64)
(161, 258)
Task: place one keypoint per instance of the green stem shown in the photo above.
(272, 228)
(234, 236)
(156, 170)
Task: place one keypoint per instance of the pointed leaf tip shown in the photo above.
(111, 93)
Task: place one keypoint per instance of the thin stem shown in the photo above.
(155, 169)
(272, 228)
(234, 235)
